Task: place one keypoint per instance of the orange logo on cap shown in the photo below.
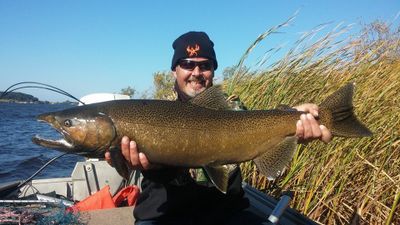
(192, 51)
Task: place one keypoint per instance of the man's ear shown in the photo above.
(174, 73)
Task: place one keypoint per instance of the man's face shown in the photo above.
(194, 75)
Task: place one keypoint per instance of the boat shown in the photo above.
(90, 176)
(101, 97)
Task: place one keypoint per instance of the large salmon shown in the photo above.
(201, 133)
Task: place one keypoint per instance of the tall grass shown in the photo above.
(347, 181)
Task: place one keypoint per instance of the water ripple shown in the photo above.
(19, 157)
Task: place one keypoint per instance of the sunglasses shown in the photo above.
(190, 65)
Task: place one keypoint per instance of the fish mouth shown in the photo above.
(62, 144)
(49, 143)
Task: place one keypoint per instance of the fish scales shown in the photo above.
(160, 128)
(199, 133)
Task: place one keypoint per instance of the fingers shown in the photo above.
(326, 134)
(134, 155)
(308, 129)
(314, 111)
(135, 159)
(314, 125)
(308, 108)
(107, 157)
(299, 129)
(125, 149)
(144, 161)
(307, 134)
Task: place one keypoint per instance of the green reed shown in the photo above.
(348, 180)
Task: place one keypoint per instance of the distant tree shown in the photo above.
(128, 91)
(146, 94)
(230, 71)
(164, 85)
(19, 97)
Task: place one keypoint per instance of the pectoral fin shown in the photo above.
(219, 175)
(118, 162)
(272, 163)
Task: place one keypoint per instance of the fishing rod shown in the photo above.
(32, 84)
(41, 169)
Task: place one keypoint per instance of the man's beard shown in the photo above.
(183, 96)
(194, 81)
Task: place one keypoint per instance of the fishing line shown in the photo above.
(36, 85)
(42, 168)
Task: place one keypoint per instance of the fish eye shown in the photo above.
(67, 123)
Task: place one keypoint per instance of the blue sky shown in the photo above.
(88, 46)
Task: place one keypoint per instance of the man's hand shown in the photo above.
(135, 159)
(308, 127)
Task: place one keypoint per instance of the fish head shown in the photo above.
(83, 132)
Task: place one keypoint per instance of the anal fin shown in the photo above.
(219, 175)
(273, 162)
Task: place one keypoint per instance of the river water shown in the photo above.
(19, 157)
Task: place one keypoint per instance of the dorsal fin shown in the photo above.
(211, 98)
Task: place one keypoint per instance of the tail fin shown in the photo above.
(344, 123)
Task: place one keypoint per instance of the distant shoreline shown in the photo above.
(36, 102)
(24, 102)
(22, 98)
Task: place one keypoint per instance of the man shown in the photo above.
(171, 195)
